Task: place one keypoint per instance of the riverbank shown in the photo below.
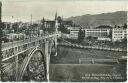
(69, 55)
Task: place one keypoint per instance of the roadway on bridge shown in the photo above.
(10, 45)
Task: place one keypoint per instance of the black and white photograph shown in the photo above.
(63, 40)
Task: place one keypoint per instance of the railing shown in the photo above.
(94, 61)
(10, 45)
(91, 47)
(19, 45)
(9, 57)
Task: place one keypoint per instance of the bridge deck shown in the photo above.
(12, 49)
(10, 45)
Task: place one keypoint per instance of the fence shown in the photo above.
(94, 61)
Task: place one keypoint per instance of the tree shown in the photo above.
(63, 29)
(59, 20)
(125, 26)
(124, 40)
(81, 35)
(110, 34)
(15, 27)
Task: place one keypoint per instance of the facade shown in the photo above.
(14, 36)
(99, 33)
(49, 24)
(102, 34)
(73, 28)
(74, 33)
(118, 34)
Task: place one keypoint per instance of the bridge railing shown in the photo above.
(25, 41)
(7, 56)
(12, 49)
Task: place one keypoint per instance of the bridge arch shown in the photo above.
(27, 62)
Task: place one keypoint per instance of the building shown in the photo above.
(15, 36)
(73, 27)
(99, 33)
(74, 32)
(118, 34)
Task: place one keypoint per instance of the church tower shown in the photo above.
(56, 23)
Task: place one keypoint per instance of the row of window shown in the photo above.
(119, 37)
(118, 31)
(97, 30)
(118, 34)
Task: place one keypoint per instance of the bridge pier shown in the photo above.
(17, 67)
(16, 63)
(47, 58)
(21, 53)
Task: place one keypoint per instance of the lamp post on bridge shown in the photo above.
(30, 28)
(56, 31)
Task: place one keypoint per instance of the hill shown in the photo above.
(114, 18)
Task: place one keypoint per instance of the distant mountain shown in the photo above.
(114, 18)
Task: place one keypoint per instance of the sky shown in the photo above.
(21, 10)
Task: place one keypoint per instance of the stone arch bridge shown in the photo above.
(28, 59)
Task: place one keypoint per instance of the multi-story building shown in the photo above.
(118, 34)
(99, 33)
(73, 28)
(74, 32)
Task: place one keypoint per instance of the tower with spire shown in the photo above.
(56, 15)
(43, 20)
(62, 18)
(56, 23)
